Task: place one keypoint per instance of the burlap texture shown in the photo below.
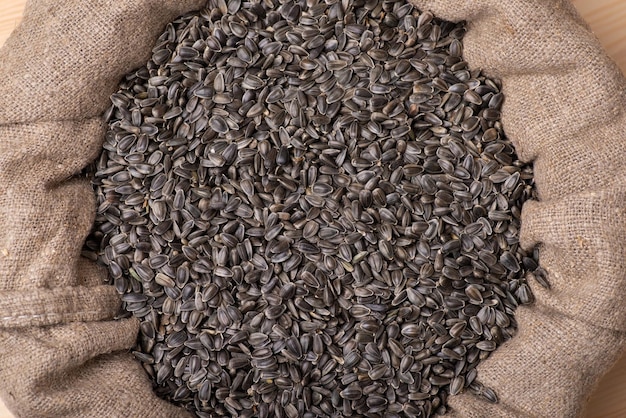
(63, 355)
(61, 352)
(564, 110)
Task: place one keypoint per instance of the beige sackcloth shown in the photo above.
(62, 354)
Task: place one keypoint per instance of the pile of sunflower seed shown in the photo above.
(313, 210)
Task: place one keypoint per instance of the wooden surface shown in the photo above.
(608, 20)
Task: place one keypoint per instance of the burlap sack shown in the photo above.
(63, 355)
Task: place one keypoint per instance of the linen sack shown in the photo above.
(62, 353)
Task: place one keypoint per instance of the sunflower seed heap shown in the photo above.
(313, 210)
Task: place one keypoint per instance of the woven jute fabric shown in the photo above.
(62, 353)
(564, 110)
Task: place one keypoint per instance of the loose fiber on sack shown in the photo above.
(578, 218)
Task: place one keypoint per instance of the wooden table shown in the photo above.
(608, 19)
